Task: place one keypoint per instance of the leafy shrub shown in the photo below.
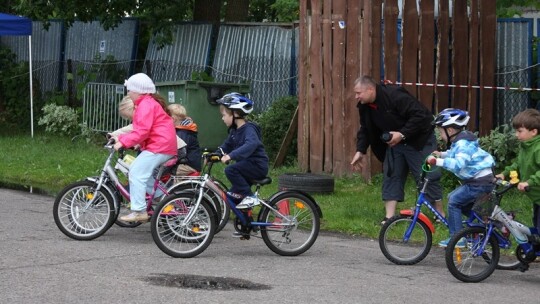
(502, 144)
(59, 120)
(15, 92)
(274, 123)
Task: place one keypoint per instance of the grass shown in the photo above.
(50, 163)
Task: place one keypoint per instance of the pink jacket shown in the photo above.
(153, 128)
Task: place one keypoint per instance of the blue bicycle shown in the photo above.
(406, 239)
(183, 224)
(478, 259)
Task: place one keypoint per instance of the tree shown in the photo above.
(158, 17)
(510, 8)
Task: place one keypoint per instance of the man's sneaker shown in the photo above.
(462, 243)
(136, 216)
(248, 202)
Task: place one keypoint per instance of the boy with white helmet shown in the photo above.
(470, 163)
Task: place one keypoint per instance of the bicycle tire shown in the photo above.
(464, 264)
(401, 252)
(177, 239)
(223, 210)
(303, 216)
(76, 223)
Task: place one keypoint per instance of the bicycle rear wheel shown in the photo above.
(400, 251)
(79, 221)
(474, 263)
(296, 229)
(181, 239)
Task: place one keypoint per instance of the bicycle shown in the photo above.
(289, 221)
(86, 209)
(406, 239)
(477, 260)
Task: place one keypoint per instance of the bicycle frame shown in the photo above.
(520, 232)
(418, 215)
(206, 182)
(108, 173)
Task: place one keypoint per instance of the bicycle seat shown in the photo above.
(265, 181)
(170, 163)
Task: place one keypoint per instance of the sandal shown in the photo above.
(384, 221)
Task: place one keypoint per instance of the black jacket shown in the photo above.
(400, 112)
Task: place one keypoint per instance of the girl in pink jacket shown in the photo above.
(153, 131)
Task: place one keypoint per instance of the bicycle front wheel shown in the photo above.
(399, 250)
(176, 237)
(475, 262)
(223, 210)
(295, 224)
(78, 219)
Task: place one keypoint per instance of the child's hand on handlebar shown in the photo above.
(225, 159)
(431, 160)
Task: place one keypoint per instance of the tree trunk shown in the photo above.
(237, 10)
(207, 10)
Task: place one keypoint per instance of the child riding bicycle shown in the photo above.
(244, 146)
(527, 126)
(153, 130)
(470, 163)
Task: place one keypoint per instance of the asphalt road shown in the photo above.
(38, 264)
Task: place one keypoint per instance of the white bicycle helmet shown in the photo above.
(452, 118)
(237, 102)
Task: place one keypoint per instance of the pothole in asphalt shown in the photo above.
(203, 282)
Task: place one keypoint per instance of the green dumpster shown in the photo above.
(199, 99)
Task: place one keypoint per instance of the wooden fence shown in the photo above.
(341, 40)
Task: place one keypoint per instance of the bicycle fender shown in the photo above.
(421, 217)
(301, 192)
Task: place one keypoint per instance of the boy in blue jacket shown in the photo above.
(470, 163)
(244, 146)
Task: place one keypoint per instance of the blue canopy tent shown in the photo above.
(11, 25)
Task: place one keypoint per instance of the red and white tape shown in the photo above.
(386, 81)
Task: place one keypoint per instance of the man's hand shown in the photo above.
(357, 161)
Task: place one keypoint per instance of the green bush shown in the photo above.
(15, 92)
(59, 120)
(274, 123)
(502, 143)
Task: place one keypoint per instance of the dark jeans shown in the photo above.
(241, 173)
(403, 158)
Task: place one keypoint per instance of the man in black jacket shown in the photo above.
(401, 135)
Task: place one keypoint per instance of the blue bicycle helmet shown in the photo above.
(450, 117)
(237, 102)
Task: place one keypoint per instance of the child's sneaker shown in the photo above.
(462, 243)
(136, 216)
(248, 202)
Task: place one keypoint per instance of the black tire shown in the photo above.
(77, 223)
(307, 182)
(399, 251)
(223, 210)
(464, 263)
(302, 215)
(178, 239)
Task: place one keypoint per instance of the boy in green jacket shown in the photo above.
(527, 126)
